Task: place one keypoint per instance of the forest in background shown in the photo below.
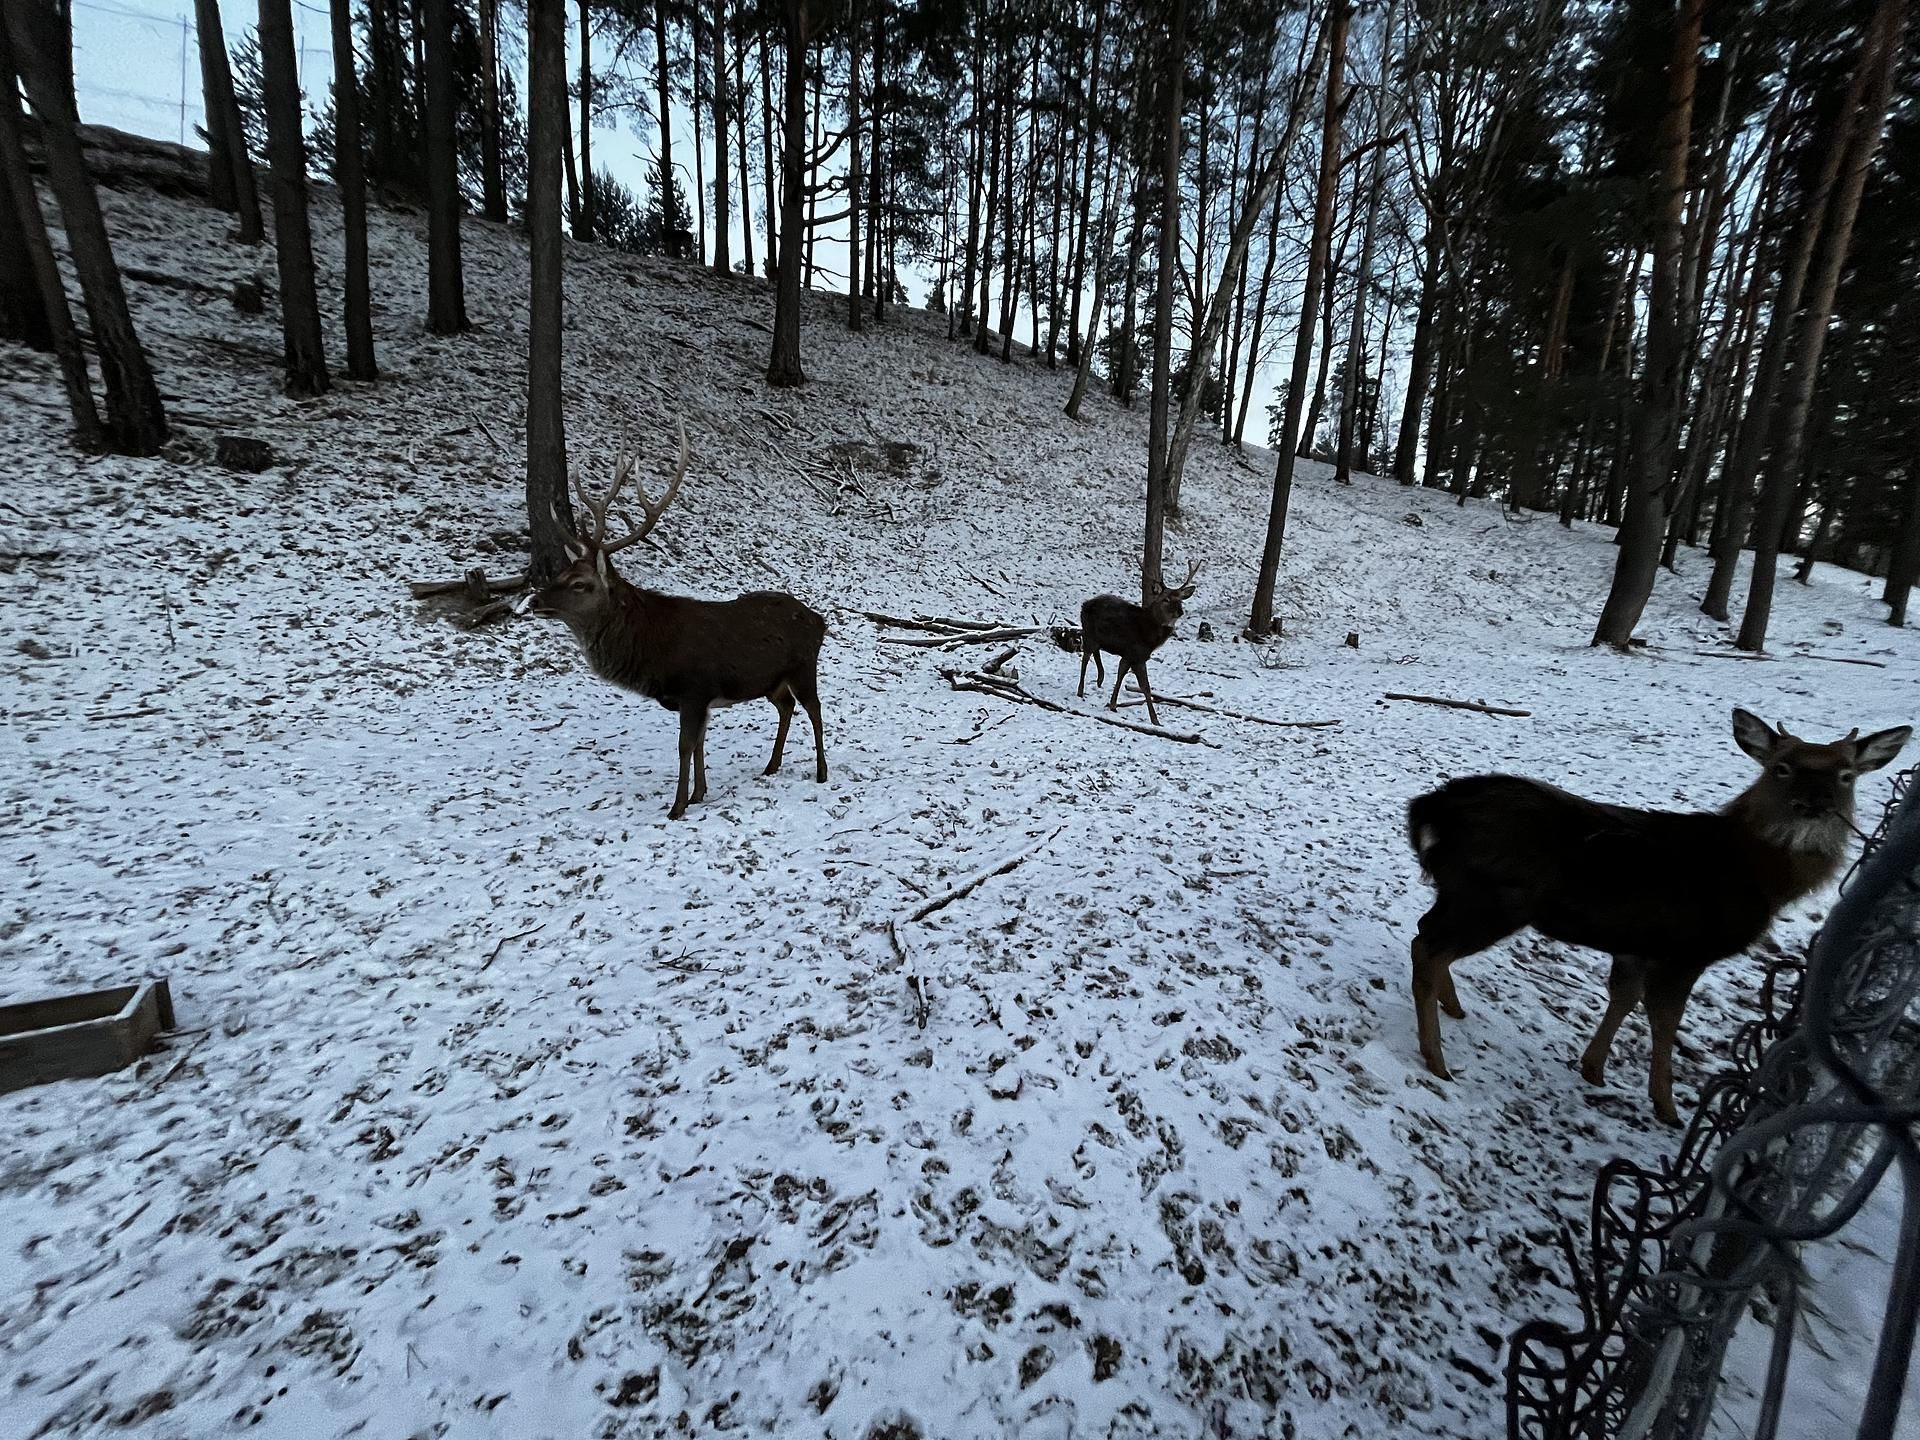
(1644, 264)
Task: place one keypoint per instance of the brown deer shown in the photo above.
(1665, 893)
(689, 655)
(1131, 632)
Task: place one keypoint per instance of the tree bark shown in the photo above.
(1083, 366)
(21, 201)
(983, 338)
(853, 170)
(784, 367)
(586, 124)
(549, 514)
(1152, 581)
(1903, 566)
(741, 105)
(25, 304)
(446, 289)
(493, 184)
(1654, 429)
(722, 245)
(1077, 267)
(1420, 359)
(1252, 364)
(766, 154)
(229, 170)
(136, 423)
(306, 358)
(1260, 622)
(349, 174)
(669, 205)
(1862, 124)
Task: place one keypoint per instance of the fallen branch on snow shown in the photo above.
(1232, 714)
(979, 683)
(970, 637)
(1473, 705)
(474, 584)
(916, 982)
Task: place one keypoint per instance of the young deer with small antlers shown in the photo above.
(689, 655)
(1665, 893)
(1131, 632)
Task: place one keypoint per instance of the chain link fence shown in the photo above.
(1785, 1148)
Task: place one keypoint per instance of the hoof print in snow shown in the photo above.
(249, 296)
(1035, 1363)
(33, 649)
(636, 1389)
(895, 1427)
(242, 452)
(1216, 1048)
(1106, 1357)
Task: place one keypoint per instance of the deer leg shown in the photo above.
(1119, 678)
(700, 759)
(690, 723)
(1140, 674)
(1449, 999)
(1626, 985)
(783, 702)
(1450, 931)
(1666, 1002)
(1086, 654)
(806, 689)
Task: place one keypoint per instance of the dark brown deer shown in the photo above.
(1131, 632)
(689, 655)
(1665, 893)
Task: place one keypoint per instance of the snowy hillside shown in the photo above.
(503, 1106)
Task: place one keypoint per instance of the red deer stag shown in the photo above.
(1665, 893)
(1131, 632)
(689, 655)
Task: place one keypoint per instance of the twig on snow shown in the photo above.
(992, 667)
(494, 953)
(982, 684)
(971, 637)
(1232, 714)
(1474, 705)
(423, 589)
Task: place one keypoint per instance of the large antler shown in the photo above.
(651, 510)
(1186, 585)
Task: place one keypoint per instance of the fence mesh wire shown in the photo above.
(1785, 1148)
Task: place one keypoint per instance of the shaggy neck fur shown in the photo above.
(1806, 851)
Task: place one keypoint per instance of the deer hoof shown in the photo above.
(1593, 1074)
(678, 812)
(772, 769)
(1438, 1068)
(1454, 1009)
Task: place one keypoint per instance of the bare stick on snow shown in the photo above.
(422, 589)
(1474, 705)
(1233, 714)
(980, 683)
(916, 983)
(971, 637)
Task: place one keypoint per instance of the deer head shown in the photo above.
(1807, 787)
(1167, 604)
(580, 594)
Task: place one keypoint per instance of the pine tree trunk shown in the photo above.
(21, 201)
(1252, 365)
(229, 170)
(574, 223)
(1077, 269)
(694, 99)
(1016, 212)
(25, 313)
(976, 152)
(549, 514)
(1420, 359)
(853, 170)
(813, 184)
(722, 245)
(740, 127)
(1649, 496)
(766, 154)
(1152, 581)
(982, 339)
(1109, 218)
(669, 203)
(784, 368)
(348, 172)
(1862, 127)
(493, 183)
(136, 423)
(1903, 566)
(446, 289)
(1260, 622)
(585, 232)
(880, 179)
(1126, 365)
(306, 357)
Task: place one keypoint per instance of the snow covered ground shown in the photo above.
(503, 1106)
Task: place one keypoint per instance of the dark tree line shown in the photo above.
(1601, 263)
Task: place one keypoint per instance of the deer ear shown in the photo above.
(1754, 735)
(600, 566)
(1880, 747)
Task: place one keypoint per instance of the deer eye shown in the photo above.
(582, 586)
(1846, 777)
(1783, 770)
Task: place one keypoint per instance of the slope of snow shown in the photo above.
(503, 1106)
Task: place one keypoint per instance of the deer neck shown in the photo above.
(1797, 855)
(615, 641)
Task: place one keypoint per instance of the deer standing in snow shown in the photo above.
(689, 655)
(1131, 632)
(1665, 893)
